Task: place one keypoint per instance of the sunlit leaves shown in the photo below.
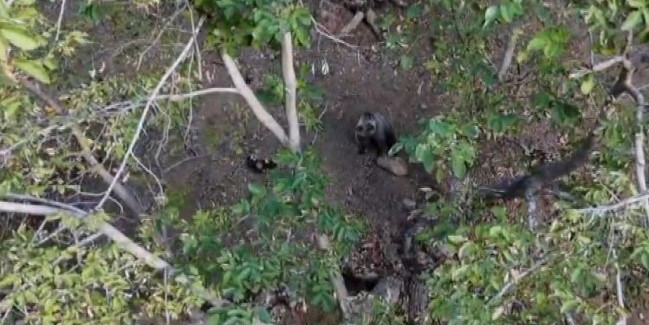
(587, 84)
(506, 11)
(632, 21)
(34, 69)
(551, 41)
(246, 22)
(443, 143)
(19, 38)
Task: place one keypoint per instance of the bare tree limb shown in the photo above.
(119, 238)
(619, 288)
(509, 53)
(257, 108)
(180, 97)
(600, 210)
(147, 107)
(598, 67)
(334, 276)
(119, 189)
(290, 90)
(321, 30)
(624, 84)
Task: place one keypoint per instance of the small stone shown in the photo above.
(409, 204)
(395, 165)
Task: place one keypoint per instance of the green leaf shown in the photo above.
(458, 166)
(424, 154)
(569, 306)
(506, 12)
(632, 21)
(4, 45)
(538, 42)
(636, 3)
(33, 69)
(457, 239)
(406, 62)
(414, 11)
(490, 15)
(644, 260)
(587, 85)
(19, 38)
(257, 189)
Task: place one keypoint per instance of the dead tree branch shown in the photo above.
(509, 53)
(257, 108)
(180, 97)
(290, 89)
(601, 210)
(116, 236)
(624, 84)
(335, 277)
(353, 24)
(122, 192)
(619, 289)
(147, 107)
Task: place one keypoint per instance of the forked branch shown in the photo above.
(293, 140)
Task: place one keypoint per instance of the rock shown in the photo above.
(409, 204)
(395, 165)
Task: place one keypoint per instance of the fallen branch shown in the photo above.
(257, 108)
(290, 85)
(601, 210)
(509, 53)
(335, 277)
(353, 24)
(624, 84)
(321, 30)
(147, 107)
(116, 236)
(86, 152)
(619, 289)
(598, 67)
(179, 97)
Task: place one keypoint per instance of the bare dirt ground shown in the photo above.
(358, 80)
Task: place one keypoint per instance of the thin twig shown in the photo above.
(601, 210)
(516, 279)
(59, 21)
(159, 35)
(179, 97)
(119, 189)
(321, 30)
(145, 112)
(619, 288)
(598, 67)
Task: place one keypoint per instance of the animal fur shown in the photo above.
(545, 174)
(374, 130)
(259, 165)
